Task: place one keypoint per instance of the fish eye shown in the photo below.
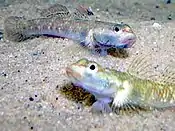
(116, 28)
(92, 67)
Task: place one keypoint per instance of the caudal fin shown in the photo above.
(14, 28)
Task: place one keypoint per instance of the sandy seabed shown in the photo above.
(33, 71)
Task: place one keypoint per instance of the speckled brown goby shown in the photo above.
(93, 34)
(122, 89)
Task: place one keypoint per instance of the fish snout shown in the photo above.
(128, 37)
(71, 73)
(127, 29)
(68, 71)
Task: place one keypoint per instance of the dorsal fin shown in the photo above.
(56, 10)
(62, 12)
(168, 75)
(141, 68)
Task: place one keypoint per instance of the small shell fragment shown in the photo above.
(157, 26)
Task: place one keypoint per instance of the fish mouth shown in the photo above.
(128, 42)
(71, 73)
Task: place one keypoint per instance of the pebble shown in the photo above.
(169, 17)
(168, 1)
(152, 18)
(157, 26)
(157, 6)
(1, 35)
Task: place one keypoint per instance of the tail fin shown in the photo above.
(14, 28)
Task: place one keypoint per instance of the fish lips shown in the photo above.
(129, 42)
(123, 43)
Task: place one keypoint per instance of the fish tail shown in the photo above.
(14, 28)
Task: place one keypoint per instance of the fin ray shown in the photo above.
(141, 68)
(168, 76)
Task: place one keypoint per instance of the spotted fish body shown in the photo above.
(122, 89)
(95, 35)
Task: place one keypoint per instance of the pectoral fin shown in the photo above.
(100, 106)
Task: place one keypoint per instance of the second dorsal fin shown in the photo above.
(141, 67)
(168, 75)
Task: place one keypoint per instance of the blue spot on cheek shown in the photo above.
(125, 46)
(122, 46)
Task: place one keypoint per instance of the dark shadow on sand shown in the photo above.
(118, 53)
(77, 94)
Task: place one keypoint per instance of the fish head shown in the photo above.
(90, 76)
(115, 36)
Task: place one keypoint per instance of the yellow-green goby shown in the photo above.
(121, 88)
